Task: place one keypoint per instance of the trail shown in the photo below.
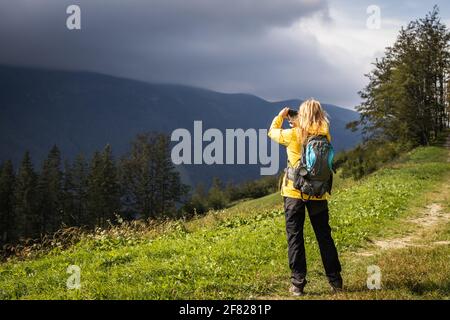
(428, 219)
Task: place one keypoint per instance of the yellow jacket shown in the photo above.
(288, 138)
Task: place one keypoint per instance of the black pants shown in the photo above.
(295, 219)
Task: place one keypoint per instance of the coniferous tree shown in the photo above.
(27, 219)
(68, 196)
(137, 176)
(7, 219)
(79, 185)
(169, 188)
(50, 196)
(103, 188)
(111, 189)
(152, 186)
(94, 182)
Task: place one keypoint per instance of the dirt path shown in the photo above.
(431, 217)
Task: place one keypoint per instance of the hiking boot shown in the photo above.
(297, 288)
(337, 287)
(335, 281)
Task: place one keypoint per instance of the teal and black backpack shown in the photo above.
(314, 175)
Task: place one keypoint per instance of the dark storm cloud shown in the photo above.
(226, 45)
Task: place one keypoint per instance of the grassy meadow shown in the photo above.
(241, 252)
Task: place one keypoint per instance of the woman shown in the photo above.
(311, 120)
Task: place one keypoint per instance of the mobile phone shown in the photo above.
(292, 113)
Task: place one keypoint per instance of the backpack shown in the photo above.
(314, 175)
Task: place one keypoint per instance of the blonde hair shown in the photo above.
(310, 114)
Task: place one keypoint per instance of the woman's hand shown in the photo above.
(284, 113)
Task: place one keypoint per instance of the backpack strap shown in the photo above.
(286, 177)
(289, 165)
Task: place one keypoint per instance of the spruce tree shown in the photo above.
(138, 177)
(110, 185)
(151, 184)
(27, 219)
(103, 188)
(94, 199)
(79, 184)
(7, 219)
(169, 189)
(50, 196)
(69, 218)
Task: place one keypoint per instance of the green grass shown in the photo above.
(240, 252)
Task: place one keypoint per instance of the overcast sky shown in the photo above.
(276, 49)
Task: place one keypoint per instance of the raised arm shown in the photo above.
(277, 133)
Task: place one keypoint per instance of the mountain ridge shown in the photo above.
(81, 111)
